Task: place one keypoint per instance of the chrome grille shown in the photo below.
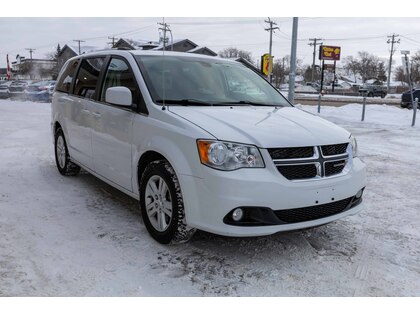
(303, 163)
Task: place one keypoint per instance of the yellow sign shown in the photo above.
(265, 64)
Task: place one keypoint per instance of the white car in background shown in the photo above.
(177, 132)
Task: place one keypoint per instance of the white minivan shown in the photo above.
(203, 143)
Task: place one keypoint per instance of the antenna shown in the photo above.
(165, 28)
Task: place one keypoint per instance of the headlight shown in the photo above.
(229, 156)
(353, 143)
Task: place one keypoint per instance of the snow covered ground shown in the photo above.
(77, 236)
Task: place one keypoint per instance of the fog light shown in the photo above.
(359, 193)
(237, 215)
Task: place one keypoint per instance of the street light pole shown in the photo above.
(292, 74)
(407, 70)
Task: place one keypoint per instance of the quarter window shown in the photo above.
(64, 84)
(87, 77)
(119, 74)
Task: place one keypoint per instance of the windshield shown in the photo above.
(206, 82)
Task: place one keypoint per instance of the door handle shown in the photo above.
(85, 111)
(96, 114)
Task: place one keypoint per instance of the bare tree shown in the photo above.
(368, 66)
(400, 76)
(351, 66)
(232, 52)
(415, 67)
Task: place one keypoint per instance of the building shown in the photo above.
(3, 74)
(181, 45)
(33, 69)
(125, 43)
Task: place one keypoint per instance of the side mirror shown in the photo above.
(119, 95)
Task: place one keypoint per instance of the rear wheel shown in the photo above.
(370, 94)
(62, 158)
(162, 205)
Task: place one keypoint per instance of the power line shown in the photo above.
(165, 28)
(31, 50)
(79, 41)
(113, 38)
(410, 39)
(271, 29)
(391, 40)
(314, 43)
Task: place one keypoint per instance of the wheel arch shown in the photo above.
(146, 158)
(57, 125)
(179, 156)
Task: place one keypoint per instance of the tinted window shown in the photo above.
(119, 74)
(87, 78)
(64, 83)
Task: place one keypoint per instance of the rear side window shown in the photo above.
(119, 74)
(64, 83)
(87, 78)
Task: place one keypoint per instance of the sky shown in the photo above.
(247, 33)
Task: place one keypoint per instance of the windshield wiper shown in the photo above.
(184, 102)
(247, 103)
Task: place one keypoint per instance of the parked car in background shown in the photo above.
(4, 89)
(406, 98)
(372, 90)
(17, 89)
(39, 91)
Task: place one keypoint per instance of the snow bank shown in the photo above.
(375, 114)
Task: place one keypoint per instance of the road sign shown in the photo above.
(406, 65)
(329, 52)
(265, 63)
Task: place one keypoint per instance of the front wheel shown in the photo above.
(162, 205)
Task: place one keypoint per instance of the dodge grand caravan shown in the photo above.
(203, 143)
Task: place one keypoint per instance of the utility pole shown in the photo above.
(113, 38)
(31, 50)
(314, 40)
(271, 29)
(391, 40)
(165, 28)
(79, 41)
(292, 73)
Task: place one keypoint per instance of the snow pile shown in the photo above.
(374, 114)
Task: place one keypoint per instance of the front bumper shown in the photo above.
(209, 199)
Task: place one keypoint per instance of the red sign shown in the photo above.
(329, 52)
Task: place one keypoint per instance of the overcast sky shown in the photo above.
(352, 34)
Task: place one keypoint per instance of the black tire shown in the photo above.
(383, 95)
(370, 94)
(67, 168)
(176, 230)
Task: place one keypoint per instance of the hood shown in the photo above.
(265, 127)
